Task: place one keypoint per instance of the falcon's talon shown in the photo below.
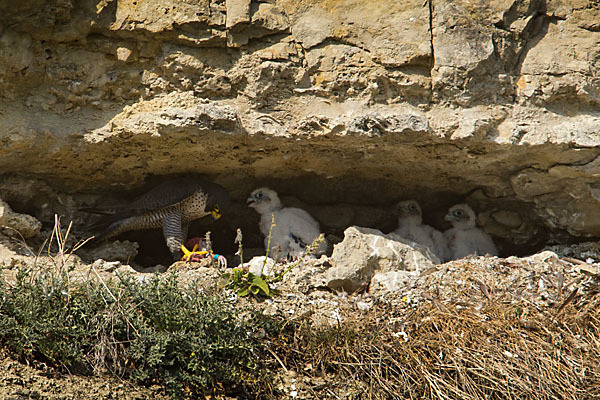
(196, 256)
(187, 252)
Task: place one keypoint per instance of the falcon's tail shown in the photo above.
(98, 211)
(92, 240)
(109, 229)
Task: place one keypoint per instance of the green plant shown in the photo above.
(187, 340)
(243, 282)
(152, 331)
(42, 319)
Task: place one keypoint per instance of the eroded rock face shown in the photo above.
(367, 254)
(344, 107)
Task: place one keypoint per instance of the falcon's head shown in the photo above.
(409, 210)
(461, 216)
(264, 200)
(217, 200)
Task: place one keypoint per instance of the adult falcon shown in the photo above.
(170, 206)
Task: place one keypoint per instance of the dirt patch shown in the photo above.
(19, 381)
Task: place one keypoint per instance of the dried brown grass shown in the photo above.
(451, 353)
(497, 349)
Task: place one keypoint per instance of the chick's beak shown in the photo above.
(250, 201)
(450, 218)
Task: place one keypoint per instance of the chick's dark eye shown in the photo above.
(458, 213)
(258, 195)
(412, 207)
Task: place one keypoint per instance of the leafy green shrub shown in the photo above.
(244, 283)
(186, 339)
(39, 319)
(147, 332)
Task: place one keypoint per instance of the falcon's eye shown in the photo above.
(258, 195)
(459, 213)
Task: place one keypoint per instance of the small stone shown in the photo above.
(260, 265)
(20, 224)
(123, 54)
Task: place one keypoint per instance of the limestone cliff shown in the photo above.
(343, 106)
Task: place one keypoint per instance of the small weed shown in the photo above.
(244, 283)
(63, 253)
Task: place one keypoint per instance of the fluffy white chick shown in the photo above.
(293, 228)
(465, 238)
(411, 227)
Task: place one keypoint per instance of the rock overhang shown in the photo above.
(343, 115)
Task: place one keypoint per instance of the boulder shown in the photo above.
(365, 252)
(18, 224)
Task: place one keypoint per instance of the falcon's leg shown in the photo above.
(174, 234)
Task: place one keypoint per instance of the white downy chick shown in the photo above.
(294, 228)
(465, 238)
(411, 227)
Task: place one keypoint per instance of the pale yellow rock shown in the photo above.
(366, 252)
(345, 105)
(123, 54)
(238, 11)
(19, 224)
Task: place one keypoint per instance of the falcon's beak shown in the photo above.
(408, 211)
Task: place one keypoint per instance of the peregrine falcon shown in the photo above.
(171, 205)
(293, 230)
(465, 238)
(410, 226)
